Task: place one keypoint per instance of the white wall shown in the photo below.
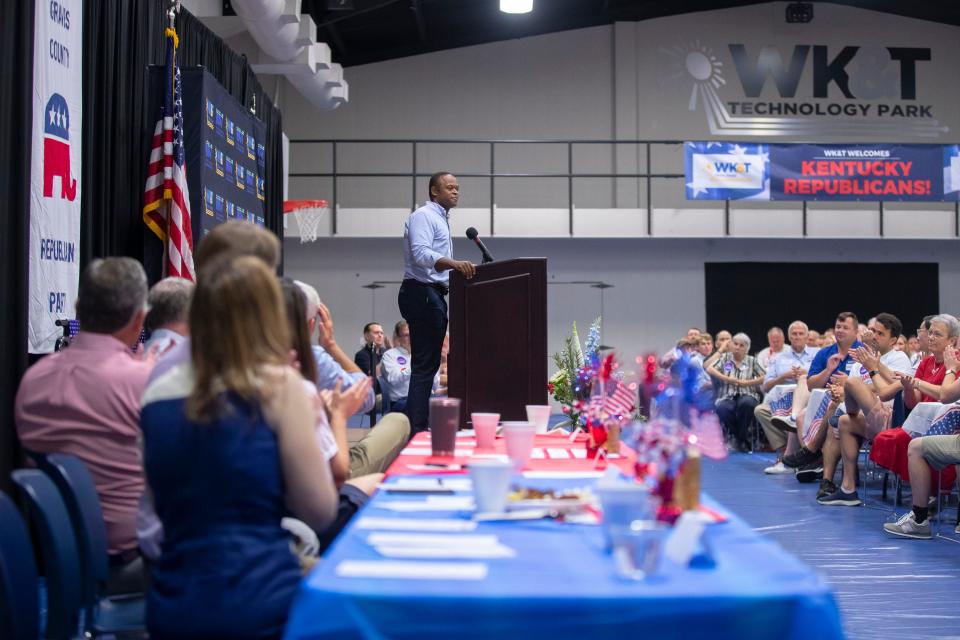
(658, 283)
(625, 81)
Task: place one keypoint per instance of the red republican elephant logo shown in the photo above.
(56, 149)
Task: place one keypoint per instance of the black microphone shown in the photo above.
(473, 235)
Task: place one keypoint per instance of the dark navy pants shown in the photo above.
(424, 308)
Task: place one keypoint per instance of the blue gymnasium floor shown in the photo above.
(886, 587)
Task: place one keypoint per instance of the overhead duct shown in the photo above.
(289, 42)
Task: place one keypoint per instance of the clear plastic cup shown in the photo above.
(491, 484)
(632, 532)
(519, 439)
(539, 415)
(444, 421)
(485, 427)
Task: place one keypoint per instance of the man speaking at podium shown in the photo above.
(427, 261)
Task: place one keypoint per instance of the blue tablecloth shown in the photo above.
(562, 584)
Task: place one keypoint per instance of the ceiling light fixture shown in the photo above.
(516, 6)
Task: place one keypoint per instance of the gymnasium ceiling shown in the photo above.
(375, 30)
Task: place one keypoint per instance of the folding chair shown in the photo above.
(58, 548)
(102, 615)
(19, 587)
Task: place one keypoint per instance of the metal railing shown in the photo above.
(492, 174)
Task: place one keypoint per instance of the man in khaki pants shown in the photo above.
(788, 367)
(381, 446)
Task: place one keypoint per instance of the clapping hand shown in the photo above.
(905, 379)
(344, 404)
(869, 359)
(834, 361)
(325, 336)
(950, 358)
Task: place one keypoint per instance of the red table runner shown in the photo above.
(551, 452)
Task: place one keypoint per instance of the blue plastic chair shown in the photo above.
(58, 548)
(102, 614)
(19, 598)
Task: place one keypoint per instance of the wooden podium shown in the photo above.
(498, 338)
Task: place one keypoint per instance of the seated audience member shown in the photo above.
(813, 339)
(789, 367)
(774, 347)
(381, 446)
(333, 408)
(723, 337)
(397, 366)
(890, 447)
(233, 237)
(827, 338)
(737, 378)
(913, 350)
(169, 303)
(901, 344)
(939, 452)
(443, 372)
(832, 363)
(706, 345)
(869, 408)
(368, 357)
(85, 401)
(693, 333)
(229, 448)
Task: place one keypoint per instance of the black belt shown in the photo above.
(442, 289)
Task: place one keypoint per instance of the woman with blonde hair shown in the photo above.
(229, 450)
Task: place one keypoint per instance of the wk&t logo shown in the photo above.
(854, 91)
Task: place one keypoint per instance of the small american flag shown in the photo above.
(783, 405)
(817, 419)
(622, 401)
(166, 202)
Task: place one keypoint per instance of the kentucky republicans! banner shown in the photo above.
(54, 266)
(839, 172)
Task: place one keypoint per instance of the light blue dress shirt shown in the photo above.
(426, 239)
(787, 360)
(329, 371)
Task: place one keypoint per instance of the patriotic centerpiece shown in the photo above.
(571, 385)
(681, 426)
(611, 405)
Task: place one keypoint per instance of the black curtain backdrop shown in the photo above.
(16, 81)
(732, 287)
(121, 38)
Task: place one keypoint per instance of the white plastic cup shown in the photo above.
(539, 415)
(485, 428)
(519, 438)
(491, 484)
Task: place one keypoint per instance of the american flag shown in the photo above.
(620, 403)
(817, 419)
(166, 203)
(783, 405)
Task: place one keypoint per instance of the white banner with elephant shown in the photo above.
(55, 169)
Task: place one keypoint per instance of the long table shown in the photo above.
(562, 584)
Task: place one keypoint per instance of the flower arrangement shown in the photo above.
(571, 384)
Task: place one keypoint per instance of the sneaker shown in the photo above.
(784, 423)
(777, 469)
(826, 488)
(956, 529)
(840, 498)
(800, 458)
(810, 472)
(908, 527)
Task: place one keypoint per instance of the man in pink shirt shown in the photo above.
(85, 400)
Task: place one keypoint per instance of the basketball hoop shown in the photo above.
(309, 214)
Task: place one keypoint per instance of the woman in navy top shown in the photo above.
(229, 449)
